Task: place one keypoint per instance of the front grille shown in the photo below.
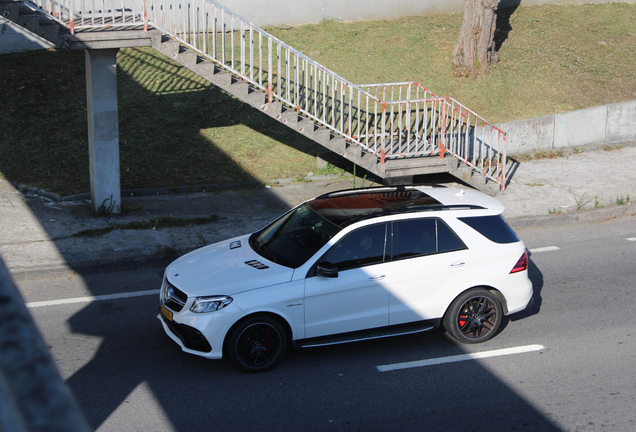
(173, 297)
(191, 338)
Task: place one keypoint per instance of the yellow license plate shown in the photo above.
(165, 312)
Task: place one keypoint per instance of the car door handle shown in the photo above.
(377, 278)
(458, 264)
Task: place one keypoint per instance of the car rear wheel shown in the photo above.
(256, 344)
(474, 316)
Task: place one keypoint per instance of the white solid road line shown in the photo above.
(631, 239)
(92, 298)
(544, 249)
(461, 357)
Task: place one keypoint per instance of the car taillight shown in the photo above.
(521, 265)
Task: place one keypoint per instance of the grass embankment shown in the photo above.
(176, 129)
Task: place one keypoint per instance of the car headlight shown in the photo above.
(210, 303)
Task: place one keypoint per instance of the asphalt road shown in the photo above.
(578, 373)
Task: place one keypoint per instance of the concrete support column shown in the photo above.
(103, 129)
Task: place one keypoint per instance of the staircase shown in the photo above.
(29, 16)
(393, 130)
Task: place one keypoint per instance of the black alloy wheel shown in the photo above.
(474, 316)
(257, 344)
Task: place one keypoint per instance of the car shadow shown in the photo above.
(535, 275)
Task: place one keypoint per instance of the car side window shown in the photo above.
(418, 237)
(359, 248)
(414, 237)
(447, 240)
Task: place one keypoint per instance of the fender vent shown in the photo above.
(256, 264)
(235, 244)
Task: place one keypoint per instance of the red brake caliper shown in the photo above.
(462, 320)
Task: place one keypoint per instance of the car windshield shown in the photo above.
(294, 237)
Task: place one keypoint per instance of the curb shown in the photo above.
(24, 189)
(129, 192)
(569, 218)
(91, 267)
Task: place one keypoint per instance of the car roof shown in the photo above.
(351, 205)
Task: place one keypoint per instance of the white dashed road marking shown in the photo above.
(92, 298)
(459, 358)
(544, 249)
(631, 239)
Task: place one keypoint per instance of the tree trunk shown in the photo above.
(475, 48)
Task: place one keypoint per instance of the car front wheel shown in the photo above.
(256, 344)
(474, 316)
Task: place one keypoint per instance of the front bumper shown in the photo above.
(188, 337)
(200, 334)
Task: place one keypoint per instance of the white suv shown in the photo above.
(348, 266)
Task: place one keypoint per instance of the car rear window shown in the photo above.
(494, 228)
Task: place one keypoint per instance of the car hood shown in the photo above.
(225, 268)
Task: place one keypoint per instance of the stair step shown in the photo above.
(168, 47)
(290, 117)
(223, 79)
(257, 98)
(337, 144)
(322, 135)
(10, 11)
(362, 158)
(188, 58)
(274, 109)
(30, 22)
(475, 179)
(206, 70)
(416, 166)
(49, 32)
(306, 127)
(240, 89)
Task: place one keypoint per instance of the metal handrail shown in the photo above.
(390, 120)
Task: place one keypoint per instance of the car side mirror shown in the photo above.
(326, 269)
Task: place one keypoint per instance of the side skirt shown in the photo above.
(376, 333)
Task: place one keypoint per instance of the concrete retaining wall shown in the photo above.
(600, 125)
(277, 12)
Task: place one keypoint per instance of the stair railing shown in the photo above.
(84, 14)
(390, 120)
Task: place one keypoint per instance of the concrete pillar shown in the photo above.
(103, 129)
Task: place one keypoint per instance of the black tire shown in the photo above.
(256, 344)
(474, 316)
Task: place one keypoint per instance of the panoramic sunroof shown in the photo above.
(344, 208)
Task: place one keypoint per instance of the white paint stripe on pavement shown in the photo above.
(92, 298)
(544, 249)
(631, 239)
(462, 357)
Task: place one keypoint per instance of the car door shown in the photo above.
(358, 298)
(429, 263)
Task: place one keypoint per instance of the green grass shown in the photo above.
(176, 129)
